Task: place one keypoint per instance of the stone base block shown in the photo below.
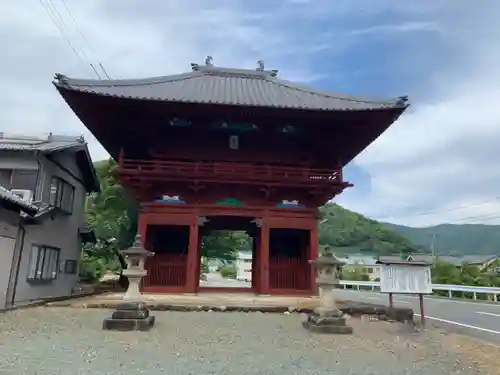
(327, 322)
(336, 329)
(129, 324)
(130, 316)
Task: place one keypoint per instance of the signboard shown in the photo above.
(405, 279)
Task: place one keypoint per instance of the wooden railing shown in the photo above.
(223, 170)
(288, 273)
(166, 270)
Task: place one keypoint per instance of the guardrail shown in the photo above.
(473, 290)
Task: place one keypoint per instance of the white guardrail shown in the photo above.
(493, 291)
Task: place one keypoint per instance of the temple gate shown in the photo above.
(220, 148)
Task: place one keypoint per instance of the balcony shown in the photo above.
(159, 170)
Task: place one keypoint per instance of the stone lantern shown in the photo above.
(327, 318)
(135, 257)
(133, 314)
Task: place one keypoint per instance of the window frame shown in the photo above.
(37, 263)
(57, 198)
(71, 266)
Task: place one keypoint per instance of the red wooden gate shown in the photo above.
(289, 273)
(166, 270)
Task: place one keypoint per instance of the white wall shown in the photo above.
(244, 266)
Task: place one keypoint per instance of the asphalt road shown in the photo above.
(472, 318)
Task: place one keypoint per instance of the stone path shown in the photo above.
(62, 341)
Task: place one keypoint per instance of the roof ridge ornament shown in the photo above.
(208, 61)
(61, 79)
(402, 100)
(260, 66)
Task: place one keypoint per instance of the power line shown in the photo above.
(86, 41)
(57, 19)
(426, 213)
(61, 31)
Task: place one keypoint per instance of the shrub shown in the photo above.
(228, 272)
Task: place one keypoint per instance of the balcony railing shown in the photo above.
(222, 171)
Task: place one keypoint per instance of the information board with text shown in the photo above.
(404, 279)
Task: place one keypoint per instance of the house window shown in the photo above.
(44, 263)
(70, 266)
(61, 194)
(24, 179)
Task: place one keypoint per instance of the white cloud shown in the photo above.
(441, 154)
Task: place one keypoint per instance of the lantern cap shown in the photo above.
(136, 248)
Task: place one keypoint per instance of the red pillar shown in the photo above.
(264, 258)
(313, 254)
(192, 278)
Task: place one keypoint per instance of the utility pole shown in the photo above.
(433, 243)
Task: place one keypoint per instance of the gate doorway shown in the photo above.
(227, 254)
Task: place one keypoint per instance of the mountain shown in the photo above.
(343, 231)
(453, 239)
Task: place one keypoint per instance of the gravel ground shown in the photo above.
(70, 341)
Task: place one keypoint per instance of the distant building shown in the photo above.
(367, 264)
(483, 262)
(244, 266)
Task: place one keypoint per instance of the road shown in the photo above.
(215, 280)
(472, 318)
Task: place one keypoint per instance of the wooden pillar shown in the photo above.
(264, 257)
(313, 254)
(192, 276)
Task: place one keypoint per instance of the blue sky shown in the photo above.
(436, 164)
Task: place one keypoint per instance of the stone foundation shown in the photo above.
(333, 321)
(133, 316)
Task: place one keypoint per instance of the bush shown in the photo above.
(228, 272)
(91, 269)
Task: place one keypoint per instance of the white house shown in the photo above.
(244, 266)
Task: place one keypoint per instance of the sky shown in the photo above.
(436, 164)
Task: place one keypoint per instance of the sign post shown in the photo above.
(406, 277)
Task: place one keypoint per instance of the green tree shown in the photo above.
(224, 245)
(112, 215)
(344, 230)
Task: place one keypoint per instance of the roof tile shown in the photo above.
(208, 84)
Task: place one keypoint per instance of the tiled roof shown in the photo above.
(16, 202)
(213, 85)
(49, 143)
(361, 260)
(52, 143)
(456, 260)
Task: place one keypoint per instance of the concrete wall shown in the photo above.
(62, 232)
(8, 233)
(244, 266)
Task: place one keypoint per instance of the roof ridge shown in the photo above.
(63, 80)
(326, 94)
